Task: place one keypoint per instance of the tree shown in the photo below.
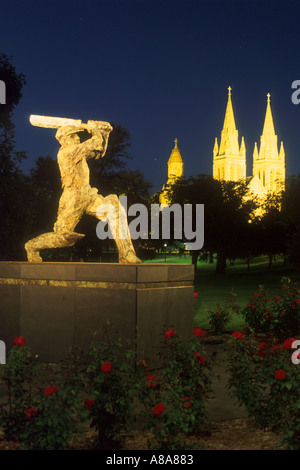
(271, 228)
(15, 191)
(290, 214)
(227, 211)
(114, 161)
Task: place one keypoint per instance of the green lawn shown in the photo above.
(213, 289)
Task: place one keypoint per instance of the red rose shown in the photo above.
(238, 335)
(195, 294)
(186, 402)
(198, 332)
(106, 367)
(280, 374)
(19, 341)
(151, 381)
(261, 354)
(277, 298)
(169, 333)
(253, 306)
(89, 403)
(31, 413)
(199, 357)
(50, 390)
(158, 409)
(287, 344)
(298, 301)
(262, 345)
(277, 348)
(143, 363)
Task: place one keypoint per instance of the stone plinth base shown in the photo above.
(59, 305)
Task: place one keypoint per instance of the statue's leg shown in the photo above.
(63, 234)
(116, 218)
(49, 240)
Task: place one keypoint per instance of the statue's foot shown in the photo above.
(129, 258)
(33, 256)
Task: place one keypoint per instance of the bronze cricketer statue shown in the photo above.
(78, 196)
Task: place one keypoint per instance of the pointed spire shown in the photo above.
(255, 153)
(281, 151)
(243, 148)
(269, 165)
(268, 125)
(229, 122)
(216, 147)
(229, 135)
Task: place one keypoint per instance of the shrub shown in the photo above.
(220, 317)
(174, 398)
(50, 421)
(279, 316)
(265, 380)
(18, 378)
(109, 381)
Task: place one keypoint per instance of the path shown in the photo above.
(221, 406)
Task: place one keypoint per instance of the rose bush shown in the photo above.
(110, 382)
(174, 398)
(264, 379)
(278, 315)
(18, 379)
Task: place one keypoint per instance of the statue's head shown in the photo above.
(68, 135)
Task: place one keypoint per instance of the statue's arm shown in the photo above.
(99, 139)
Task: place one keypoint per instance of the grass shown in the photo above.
(214, 289)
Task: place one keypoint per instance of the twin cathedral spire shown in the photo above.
(229, 159)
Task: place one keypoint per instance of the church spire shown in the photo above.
(229, 134)
(229, 162)
(268, 125)
(268, 164)
(216, 147)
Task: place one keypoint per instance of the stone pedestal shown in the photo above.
(59, 305)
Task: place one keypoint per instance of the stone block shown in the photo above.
(56, 306)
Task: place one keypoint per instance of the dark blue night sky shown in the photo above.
(161, 69)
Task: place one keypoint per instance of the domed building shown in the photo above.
(175, 171)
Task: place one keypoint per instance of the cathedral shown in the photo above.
(229, 158)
